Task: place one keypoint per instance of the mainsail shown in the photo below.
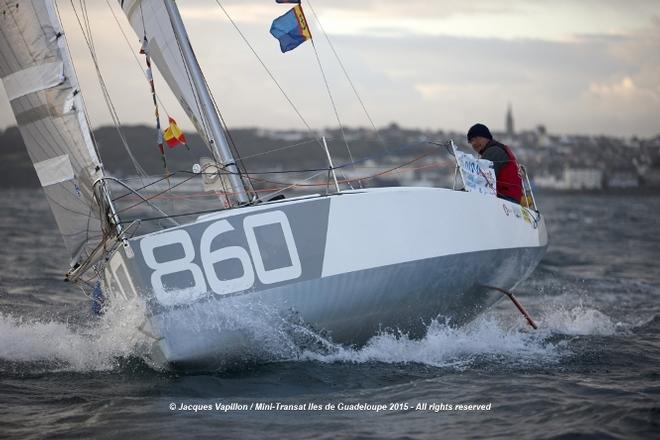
(151, 21)
(159, 24)
(40, 81)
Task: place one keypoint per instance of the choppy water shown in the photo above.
(591, 371)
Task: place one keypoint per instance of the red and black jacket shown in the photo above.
(509, 184)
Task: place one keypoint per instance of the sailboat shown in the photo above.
(346, 263)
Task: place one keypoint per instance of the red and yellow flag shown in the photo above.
(173, 135)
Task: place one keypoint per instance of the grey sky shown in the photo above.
(589, 66)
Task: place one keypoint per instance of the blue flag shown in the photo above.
(291, 29)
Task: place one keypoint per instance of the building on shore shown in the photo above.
(572, 179)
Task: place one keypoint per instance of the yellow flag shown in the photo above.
(173, 134)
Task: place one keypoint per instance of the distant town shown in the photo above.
(555, 162)
(391, 156)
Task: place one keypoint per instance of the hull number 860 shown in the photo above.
(204, 277)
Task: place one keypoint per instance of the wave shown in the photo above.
(489, 336)
(445, 346)
(62, 346)
(579, 320)
(102, 343)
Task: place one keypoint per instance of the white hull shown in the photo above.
(349, 265)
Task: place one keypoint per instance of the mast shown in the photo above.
(218, 141)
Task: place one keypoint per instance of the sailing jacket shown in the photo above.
(509, 184)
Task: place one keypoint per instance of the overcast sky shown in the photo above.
(587, 66)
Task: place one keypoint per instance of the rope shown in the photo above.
(286, 147)
(348, 78)
(143, 187)
(293, 185)
(298, 171)
(132, 52)
(204, 125)
(332, 100)
(279, 189)
(152, 87)
(270, 74)
(106, 95)
(238, 162)
(147, 199)
(359, 179)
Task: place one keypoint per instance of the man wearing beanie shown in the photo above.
(509, 184)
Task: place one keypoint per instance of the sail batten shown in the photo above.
(38, 75)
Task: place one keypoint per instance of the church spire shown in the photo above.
(509, 121)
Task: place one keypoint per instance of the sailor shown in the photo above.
(509, 184)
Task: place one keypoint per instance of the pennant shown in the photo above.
(291, 29)
(173, 135)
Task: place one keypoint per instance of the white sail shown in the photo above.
(160, 26)
(150, 20)
(40, 81)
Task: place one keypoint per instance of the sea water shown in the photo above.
(592, 369)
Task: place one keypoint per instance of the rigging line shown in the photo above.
(132, 51)
(318, 170)
(232, 143)
(270, 74)
(152, 87)
(108, 100)
(148, 199)
(113, 112)
(348, 78)
(390, 170)
(83, 7)
(216, 210)
(285, 147)
(295, 184)
(332, 100)
(437, 146)
(204, 124)
(154, 97)
(208, 133)
(401, 148)
(394, 170)
(236, 152)
(144, 186)
(173, 216)
(137, 194)
(148, 74)
(358, 179)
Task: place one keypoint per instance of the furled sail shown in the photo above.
(40, 81)
(151, 21)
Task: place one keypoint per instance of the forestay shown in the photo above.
(151, 21)
(40, 81)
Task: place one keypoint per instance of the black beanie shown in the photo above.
(479, 130)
